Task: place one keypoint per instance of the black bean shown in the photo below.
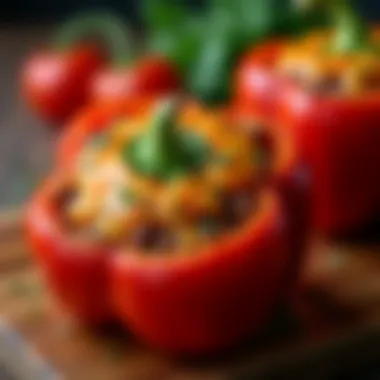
(329, 85)
(153, 237)
(209, 226)
(237, 206)
(64, 196)
(372, 82)
(259, 135)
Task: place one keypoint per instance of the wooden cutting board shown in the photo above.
(336, 316)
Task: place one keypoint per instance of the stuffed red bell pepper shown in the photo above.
(328, 96)
(165, 223)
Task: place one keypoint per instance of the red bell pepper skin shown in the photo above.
(210, 300)
(338, 139)
(150, 76)
(76, 271)
(191, 304)
(291, 180)
(55, 83)
(254, 85)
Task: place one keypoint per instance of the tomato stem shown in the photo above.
(110, 28)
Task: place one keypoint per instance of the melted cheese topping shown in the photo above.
(113, 199)
(309, 61)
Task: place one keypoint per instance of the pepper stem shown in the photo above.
(108, 26)
(163, 151)
(351, 31)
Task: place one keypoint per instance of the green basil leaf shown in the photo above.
(210, 76)
(179, 44)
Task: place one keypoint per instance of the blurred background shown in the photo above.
(29, 11)
(25, 145)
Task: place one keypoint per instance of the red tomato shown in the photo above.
(152, 76)
(54, 84)
(255, 85)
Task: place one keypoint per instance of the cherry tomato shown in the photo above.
(151, 76)
(55, 83)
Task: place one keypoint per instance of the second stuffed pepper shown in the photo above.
(325, 89)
